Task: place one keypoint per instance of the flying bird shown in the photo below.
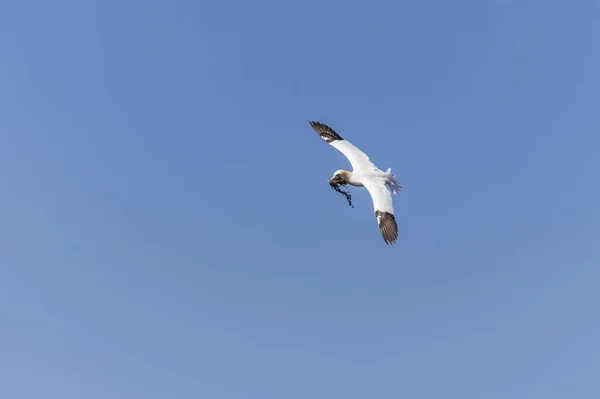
(364, 174)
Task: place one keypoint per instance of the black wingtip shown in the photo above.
(326, 133)
(387, 226)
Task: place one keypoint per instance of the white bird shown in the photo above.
(365, 174)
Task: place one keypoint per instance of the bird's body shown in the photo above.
(365, 174)
(357, 177)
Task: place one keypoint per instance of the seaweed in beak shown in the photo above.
(335, 183)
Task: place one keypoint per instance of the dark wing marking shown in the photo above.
(327, 133)
(387, 226)
(357, 158)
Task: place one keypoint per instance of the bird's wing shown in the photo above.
(357, 158)
(384, 209)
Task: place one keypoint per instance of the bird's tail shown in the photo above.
(392, 183)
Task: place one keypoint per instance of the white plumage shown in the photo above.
(365, 174)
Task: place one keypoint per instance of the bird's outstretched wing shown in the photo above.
(384, 209)
(357, 158)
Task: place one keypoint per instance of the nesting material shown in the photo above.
(337, 187)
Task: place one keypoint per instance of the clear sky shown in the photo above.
(167, 230)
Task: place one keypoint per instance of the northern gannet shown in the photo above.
(364, 174)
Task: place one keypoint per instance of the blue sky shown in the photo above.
(167, 229)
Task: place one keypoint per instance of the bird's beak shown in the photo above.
(336, 180)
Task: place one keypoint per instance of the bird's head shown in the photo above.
(340, 177)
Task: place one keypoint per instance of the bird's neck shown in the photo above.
(351, 179)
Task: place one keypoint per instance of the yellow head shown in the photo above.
(340, 176)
